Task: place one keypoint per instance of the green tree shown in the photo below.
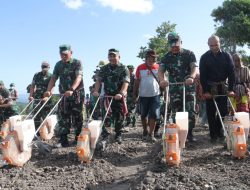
(233, 24)
(158, 42)
(245, 58)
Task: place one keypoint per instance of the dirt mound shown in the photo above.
(135, 164)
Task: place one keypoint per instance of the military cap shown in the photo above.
(113, 51)
(130, 67)
(12, 84)
(45, 65)
(1, 82)
(174, 39)
(65, 48)
(151, 53)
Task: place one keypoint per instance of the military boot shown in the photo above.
(190, 136)
(118, 138)
(63, 142)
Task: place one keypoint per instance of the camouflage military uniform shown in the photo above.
(70, 109)
(113, 77)
(178, 68)
(7, 112)
(13, 94)
(40, 82)
(28, 88)
(131, 105)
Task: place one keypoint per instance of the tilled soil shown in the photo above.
(135, 164)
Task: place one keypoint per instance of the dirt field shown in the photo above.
(135, 164)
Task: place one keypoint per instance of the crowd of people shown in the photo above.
(218, 77)
(8, 106)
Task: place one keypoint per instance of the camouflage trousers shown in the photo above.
(117, 116)
(42, 114)
(176, 105)
(131, 117)
(70, 115)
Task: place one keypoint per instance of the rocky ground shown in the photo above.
(135, 164)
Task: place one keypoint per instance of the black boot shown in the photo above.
(64, 141)
(75, 140)
(105, 133)
(190, 136)
(118, 138)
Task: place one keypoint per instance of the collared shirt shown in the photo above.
(68, 72)
(113, 77)
(178, 67)
(216, 68)
(149, 87)
(40, 81)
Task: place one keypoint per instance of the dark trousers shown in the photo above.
(214, 123)
(117, 116)
(70, 115)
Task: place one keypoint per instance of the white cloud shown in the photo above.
(73, 4)
(139, 6)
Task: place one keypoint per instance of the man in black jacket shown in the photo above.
(216, 67)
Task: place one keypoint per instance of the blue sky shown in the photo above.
(32, 30)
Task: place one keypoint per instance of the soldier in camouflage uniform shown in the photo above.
(13, 92)
(115, 77)
(180, 65)
(69, 70)
(28, 88)
(8, 107)
(130, 103)
(38, 87)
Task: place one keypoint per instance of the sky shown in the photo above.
(31, 31)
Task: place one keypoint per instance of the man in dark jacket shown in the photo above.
(216, 67)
